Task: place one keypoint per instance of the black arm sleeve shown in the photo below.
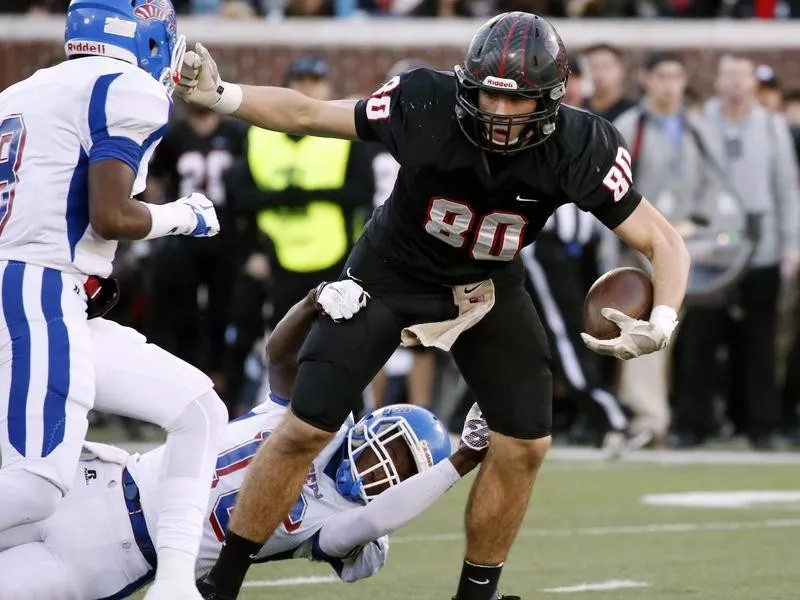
(598, 178)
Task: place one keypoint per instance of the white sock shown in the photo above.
(175, 565)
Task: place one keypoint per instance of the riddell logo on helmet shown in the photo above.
(86, 48)
(500, 83)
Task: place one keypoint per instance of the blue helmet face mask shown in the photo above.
(425, 436)
(140, 32)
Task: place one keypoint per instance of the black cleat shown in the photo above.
(208, 590)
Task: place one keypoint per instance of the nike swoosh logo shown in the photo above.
(483, 582)
(521, 199)
(469, 291)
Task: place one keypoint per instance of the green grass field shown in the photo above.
(587, 524)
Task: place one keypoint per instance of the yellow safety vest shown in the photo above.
(314, 238)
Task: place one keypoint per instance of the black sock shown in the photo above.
(478, 582)
(231, 566)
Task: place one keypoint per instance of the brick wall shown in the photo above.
(359, 71)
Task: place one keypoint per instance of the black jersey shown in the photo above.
(456, 214)
(193, 163)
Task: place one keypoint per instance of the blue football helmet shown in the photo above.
(426, 437)
(140, 32)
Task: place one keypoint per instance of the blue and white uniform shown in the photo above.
(54, 125)
(98, 544)
(54, 364)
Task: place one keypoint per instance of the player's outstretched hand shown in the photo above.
(475, 434)
(199, 78)
(636, 337)
(205, 217)
(340, 300)
(201, 84)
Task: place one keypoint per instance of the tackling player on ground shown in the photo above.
(357, 491)
(487, 153)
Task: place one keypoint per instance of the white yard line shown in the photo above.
(600, 586)
(291, 581)
(617, 530)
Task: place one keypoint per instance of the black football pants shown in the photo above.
(504, 358)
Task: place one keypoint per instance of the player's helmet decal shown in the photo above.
(422, 431)
(519, 54)
(141, 32)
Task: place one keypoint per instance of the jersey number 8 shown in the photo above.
(12, 143)
(498, 236)
(379, 104)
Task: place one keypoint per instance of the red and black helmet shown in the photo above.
(519, 54)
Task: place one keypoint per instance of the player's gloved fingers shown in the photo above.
(191, 64)
(615, 316)
(604, 347)
(206, 61)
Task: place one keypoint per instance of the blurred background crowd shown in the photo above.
(291, 207)
(278, 9)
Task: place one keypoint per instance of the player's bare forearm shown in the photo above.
(465, 460)
(112, 212)
(282, 109)
(285, 342)
(647, 231)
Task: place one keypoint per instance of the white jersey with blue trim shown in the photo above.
(296, 537)
(53, 125)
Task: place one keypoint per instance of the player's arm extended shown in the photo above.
(396, 507)
(284, 343)
(647, 231)
(339, 300)
(278, 109)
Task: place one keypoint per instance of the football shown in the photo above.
(627, 289)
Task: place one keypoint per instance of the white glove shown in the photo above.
(201, 84)
(636, 337)
(205, 217)
(340, 300)
(475, 434)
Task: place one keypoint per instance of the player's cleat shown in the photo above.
(208, 590)
(168, 591)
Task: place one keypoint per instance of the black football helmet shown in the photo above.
(519, 54)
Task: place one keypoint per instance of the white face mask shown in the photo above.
(172, 74)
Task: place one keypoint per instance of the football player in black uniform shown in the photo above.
(194, 155)
(486, 153)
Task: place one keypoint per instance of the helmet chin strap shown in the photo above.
(171, 75)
